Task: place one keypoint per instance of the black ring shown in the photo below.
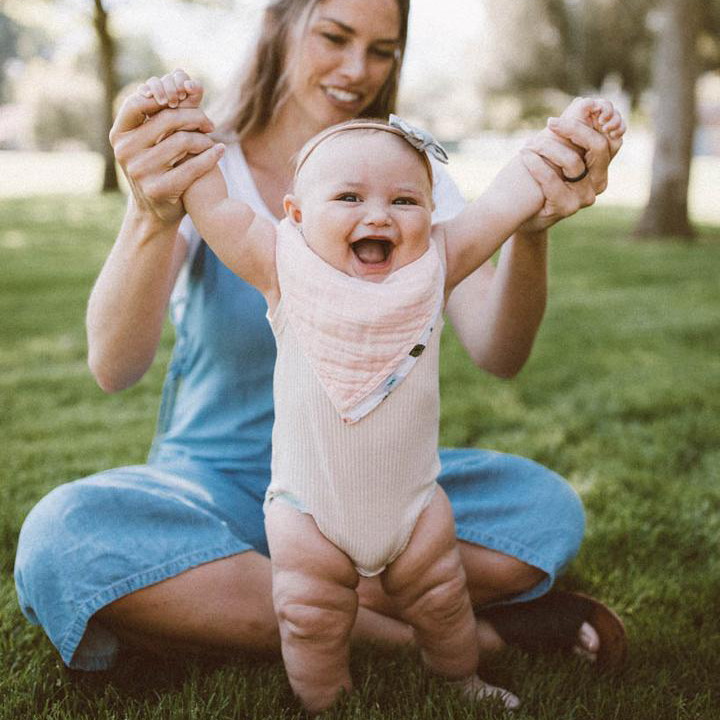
(580, 177)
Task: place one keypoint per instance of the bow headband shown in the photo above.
(421, 140)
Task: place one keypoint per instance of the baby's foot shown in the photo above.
(475, 690)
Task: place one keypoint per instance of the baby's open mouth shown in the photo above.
(371, 251)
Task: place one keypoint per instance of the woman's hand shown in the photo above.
(160, 141)
(569, 144)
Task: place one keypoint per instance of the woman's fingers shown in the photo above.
(170, 185)
(159, 139)
(595, 145)
(162, 187)
(567, 160)
(168, 154)
(152, 132)
(563, 200)
(133, 113)
(186, 173)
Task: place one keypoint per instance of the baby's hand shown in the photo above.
(176, 89)
(601, 115)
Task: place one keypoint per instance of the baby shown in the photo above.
(356, 277)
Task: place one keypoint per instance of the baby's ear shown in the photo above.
(291, 206)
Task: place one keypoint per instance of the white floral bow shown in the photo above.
(419, 139)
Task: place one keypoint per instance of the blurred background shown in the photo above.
(621, 396)
(481, 74)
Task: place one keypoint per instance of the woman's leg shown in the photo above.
(154, 558)
(526, 522)
(315, 602)
(94, 541)
(224, 605)
(518, 524)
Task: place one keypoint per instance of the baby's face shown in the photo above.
(363, 200)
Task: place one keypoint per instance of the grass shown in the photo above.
(621, 395)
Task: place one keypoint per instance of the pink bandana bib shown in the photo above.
(361, 338)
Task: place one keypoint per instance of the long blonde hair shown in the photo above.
(261, 88)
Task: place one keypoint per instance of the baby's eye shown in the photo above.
(349, 197)
(404, 201)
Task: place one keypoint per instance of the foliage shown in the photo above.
(9, 34)
(621, 395)
(575, 46)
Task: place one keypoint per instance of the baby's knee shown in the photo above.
(445, 602)
(439, 596)
(307, 612)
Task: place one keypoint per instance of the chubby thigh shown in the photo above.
(428, 585)
(315, 603)
(314, 596)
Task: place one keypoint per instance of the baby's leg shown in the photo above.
(428, 584)
(315, 603)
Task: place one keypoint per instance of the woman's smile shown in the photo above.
(343, 96)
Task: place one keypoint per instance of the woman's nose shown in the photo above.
(354, 66)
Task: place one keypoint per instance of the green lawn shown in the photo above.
(621, 395)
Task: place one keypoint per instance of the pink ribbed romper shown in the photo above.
(356, 450)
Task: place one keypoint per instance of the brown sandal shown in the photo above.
(553, 621)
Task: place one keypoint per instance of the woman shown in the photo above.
(173, 553)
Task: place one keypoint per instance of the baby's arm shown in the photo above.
(244, 241)
(473, 236)
(514, 196)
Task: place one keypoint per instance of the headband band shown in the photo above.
(421, 140)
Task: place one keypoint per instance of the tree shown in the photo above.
(574, 45)
(106, 65)
(675, 74)
(569, 45)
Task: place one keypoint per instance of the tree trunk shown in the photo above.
(675, 73)
(106, 45)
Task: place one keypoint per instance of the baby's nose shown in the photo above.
(377, 214)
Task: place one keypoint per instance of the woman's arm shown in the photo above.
(129, 300)
(127, 305)
(497, 310)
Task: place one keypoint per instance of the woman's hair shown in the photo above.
(261, 87)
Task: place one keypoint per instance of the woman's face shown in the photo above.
(338, 66)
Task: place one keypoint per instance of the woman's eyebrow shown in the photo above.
(351, 31)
